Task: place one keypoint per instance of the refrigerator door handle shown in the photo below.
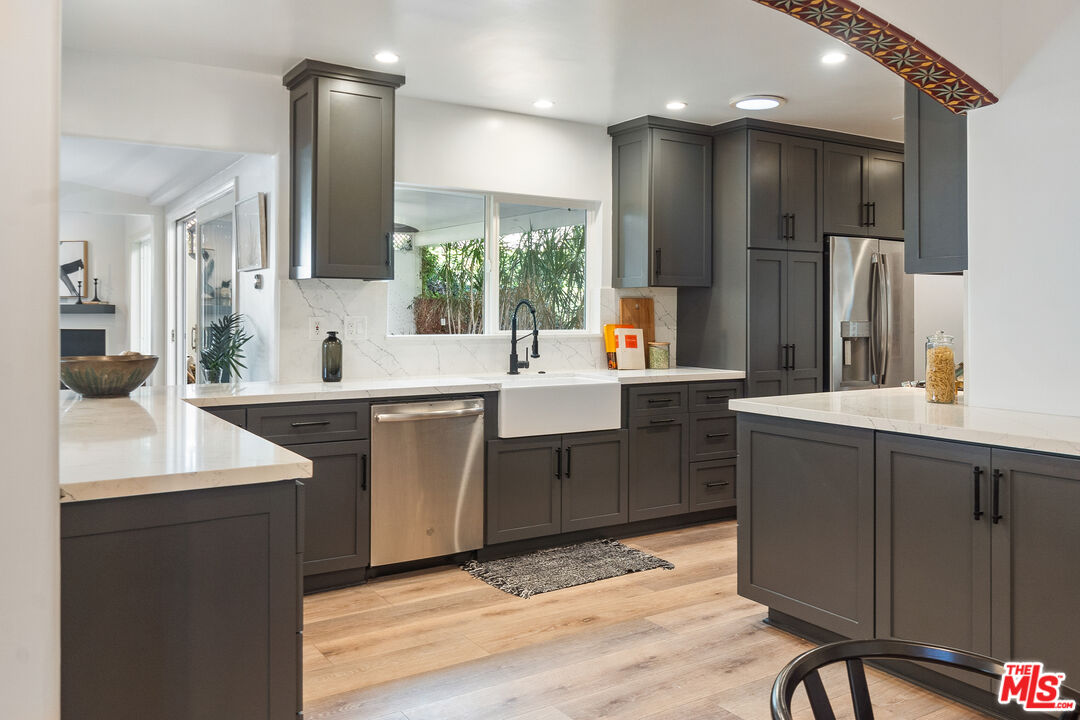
(886, 316)
(875, 298)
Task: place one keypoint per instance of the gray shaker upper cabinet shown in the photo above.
(662, 178)
(864, 192)
(935, 186)
(784, 180)
(342, 175)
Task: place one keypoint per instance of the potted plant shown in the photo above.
(223, 350)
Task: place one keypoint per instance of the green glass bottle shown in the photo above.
(331, 358)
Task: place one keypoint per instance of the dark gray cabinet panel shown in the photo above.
(864, 192)
(343, 171)
(805, 323)
(706, 397)
(524, 491)
(659, 474)
(712, 436)
(806, 521)
(784, 323)
(662, 206)
(785, 192)
(766, 334)
(651, 399)
(337, 499)
(1036, 553)
(935, 186)
(933, 553)
(181, 605)
(712, 484)
(234, 415)
(310, 422)
(595, 482)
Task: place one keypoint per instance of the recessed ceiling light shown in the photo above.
(834, 57)
(758, 102)
(544, 104)
(386, 56)
(676, 105)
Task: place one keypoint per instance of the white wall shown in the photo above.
(30, 512)
(108, 261)
(939, 305)
(1024, 245)
(253, 174)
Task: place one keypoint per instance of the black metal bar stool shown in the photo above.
(804, 670)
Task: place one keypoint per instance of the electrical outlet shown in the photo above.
(316, 328)
(356, 327)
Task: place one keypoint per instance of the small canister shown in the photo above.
(940, 368)
(659, 355)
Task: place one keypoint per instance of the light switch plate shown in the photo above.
(316, 328)
(356, 327)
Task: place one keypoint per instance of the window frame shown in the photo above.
(492, 201)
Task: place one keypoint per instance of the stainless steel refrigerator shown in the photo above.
(871, 323)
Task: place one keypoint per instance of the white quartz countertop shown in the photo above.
(255, 393)
(155, 442)
(905, 410)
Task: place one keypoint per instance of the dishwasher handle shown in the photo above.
(429, 415)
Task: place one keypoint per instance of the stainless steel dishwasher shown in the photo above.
(427, 479)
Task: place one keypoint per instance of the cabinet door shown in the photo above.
(935, 186)
(886, 194)
(681, 222)
(354, 189)
(630, 209)
(802, 193)
(766, 203)
(524, 488)
(1036, 552)
(595, 480)
(933, 542)
(659, 472)
(806, 521)
(845, 189)
(805, 323)
(337, 502)
(712, 484)
(766, 289)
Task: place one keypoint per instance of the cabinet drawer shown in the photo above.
(713, 396)
(310, 423)
(712, 436)
(655, 399)
(712, 484)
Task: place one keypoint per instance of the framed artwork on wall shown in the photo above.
(74, 259)
(251, 233)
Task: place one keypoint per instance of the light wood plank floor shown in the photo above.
(659, 645)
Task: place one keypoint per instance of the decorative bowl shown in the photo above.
(101, 376)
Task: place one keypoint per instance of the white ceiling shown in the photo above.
(601, 61)
(159, 174)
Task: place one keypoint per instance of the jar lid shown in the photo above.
(940, 337)
(658, 344)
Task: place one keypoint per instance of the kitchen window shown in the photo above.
(464, 260)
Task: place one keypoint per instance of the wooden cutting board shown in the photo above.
(638, 311)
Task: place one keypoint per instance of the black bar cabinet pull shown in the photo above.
(717, 397)
(711, 436)
(976, 474)
(718, 484)
(558, 463)
(310, 423)
(791, 227)
(873, 214)
(995, 510)
(659, 400)
(567, 463)
(661, 421)
(389, 247)
(363, 473)
(864, 215)
(657, 254)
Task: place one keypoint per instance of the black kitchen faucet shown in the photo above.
(515, 364)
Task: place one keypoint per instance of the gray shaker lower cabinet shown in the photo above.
(806, 521)
(524, 494)
(659, 472)
(337, 512)
(182, 606)
(933, 543)
(595, 480)
(1036, 556)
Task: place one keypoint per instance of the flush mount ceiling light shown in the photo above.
(544, 104)
(386, 56)
(758, 102)
(833, 57)
(676, 105)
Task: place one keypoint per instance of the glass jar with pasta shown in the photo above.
(940, 368)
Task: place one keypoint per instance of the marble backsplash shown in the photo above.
(379, 355)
